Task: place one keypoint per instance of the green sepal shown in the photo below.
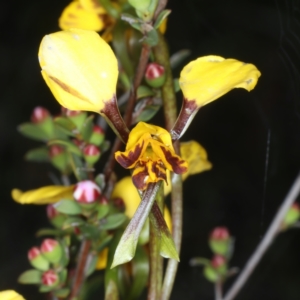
(143, 92)
(32, 276)
(40, 154)
(140, 273)
(111, 291)
(221, 247)
(46, 289)
(62, 293)
(68, 207)
(40, 263)
(211, 274)
(66, 125)
(87, 128)
(167, 247)
(163, 14)
(78, 119)
(49, 231)
(127, 245)
(32, 131)
(291, 217)
(63, 274)
(199, 261)
(69, 146)
(113, 221)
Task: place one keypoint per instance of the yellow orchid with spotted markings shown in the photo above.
(149, 152)
(10, 295)
(44, 195)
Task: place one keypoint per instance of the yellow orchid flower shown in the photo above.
(207, 78)
(150, 152)
(80, 69)
(10, 295)
(83, 15)
(45, 195)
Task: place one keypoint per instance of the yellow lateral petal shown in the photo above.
(80, 68)
(44, 195)
(76, 16)
(10, 295)
(102, 259)
(92, 6)
(208, 78)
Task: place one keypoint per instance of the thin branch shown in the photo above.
(79, 273)
(266, 241)
(218, 289)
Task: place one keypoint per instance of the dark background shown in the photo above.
(252, 139)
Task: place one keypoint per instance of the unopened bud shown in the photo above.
(219, 240)
(59, 158)
(97, 136)
(37, 260)
(50, 278)
(39, 114)
(219, 263)
(51, 250)
(87, 193)
(56, 218)
(292, 216)
(155, 75)
(91, 154)
(76, 116)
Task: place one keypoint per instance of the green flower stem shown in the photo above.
(156, 262)
(162, 57)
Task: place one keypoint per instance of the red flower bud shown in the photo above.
(86, 191)
(51, 211)
(98, 129)
(220, 233)
(33, 253)
(55, 150)
(218, 261)
(155, 75)
(50, 278)
(48, 245)
(39, 114)
(51, 250)
(91, 150)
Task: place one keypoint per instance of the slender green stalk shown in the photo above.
(162, 57)
(156, 267)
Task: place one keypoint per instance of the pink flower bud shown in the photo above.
(155, 75)
(48, 245)
(220, 233)
(91, 150)
(51, 211)
(218, 261)
(37, 260)
(50, 278)
(55, 150)
(86, 191)
(39, 114)
(33, 253)
(98, 129)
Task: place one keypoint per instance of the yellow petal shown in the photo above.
(208, 78)
(44, 195)
(163, 26)
(76, 16)
(92, 6)
(10, 295)
(80, 69)
(102, 259)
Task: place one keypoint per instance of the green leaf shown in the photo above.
(62, 293)
(176, 85)
(68, 145)
(49, 231)
(104, 243)
(199, 261)
(140, 273)
(79, 169)
(105, 146)
(177, 58)
(167, 246)
(87, 128)
(66, 125)
(152, 38)
(110, 9)
(89, 231)
(148, 113)
(102, 211)
(127, 245)
(73, 222)
(100, 181)
(40, 154)
(45, 289)
(92, 263)
(32, 131)
(113, 221)
(132, 20)
(68, 207)
(63, 274)
(144, 91)
(163, 14)
(32, 276)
